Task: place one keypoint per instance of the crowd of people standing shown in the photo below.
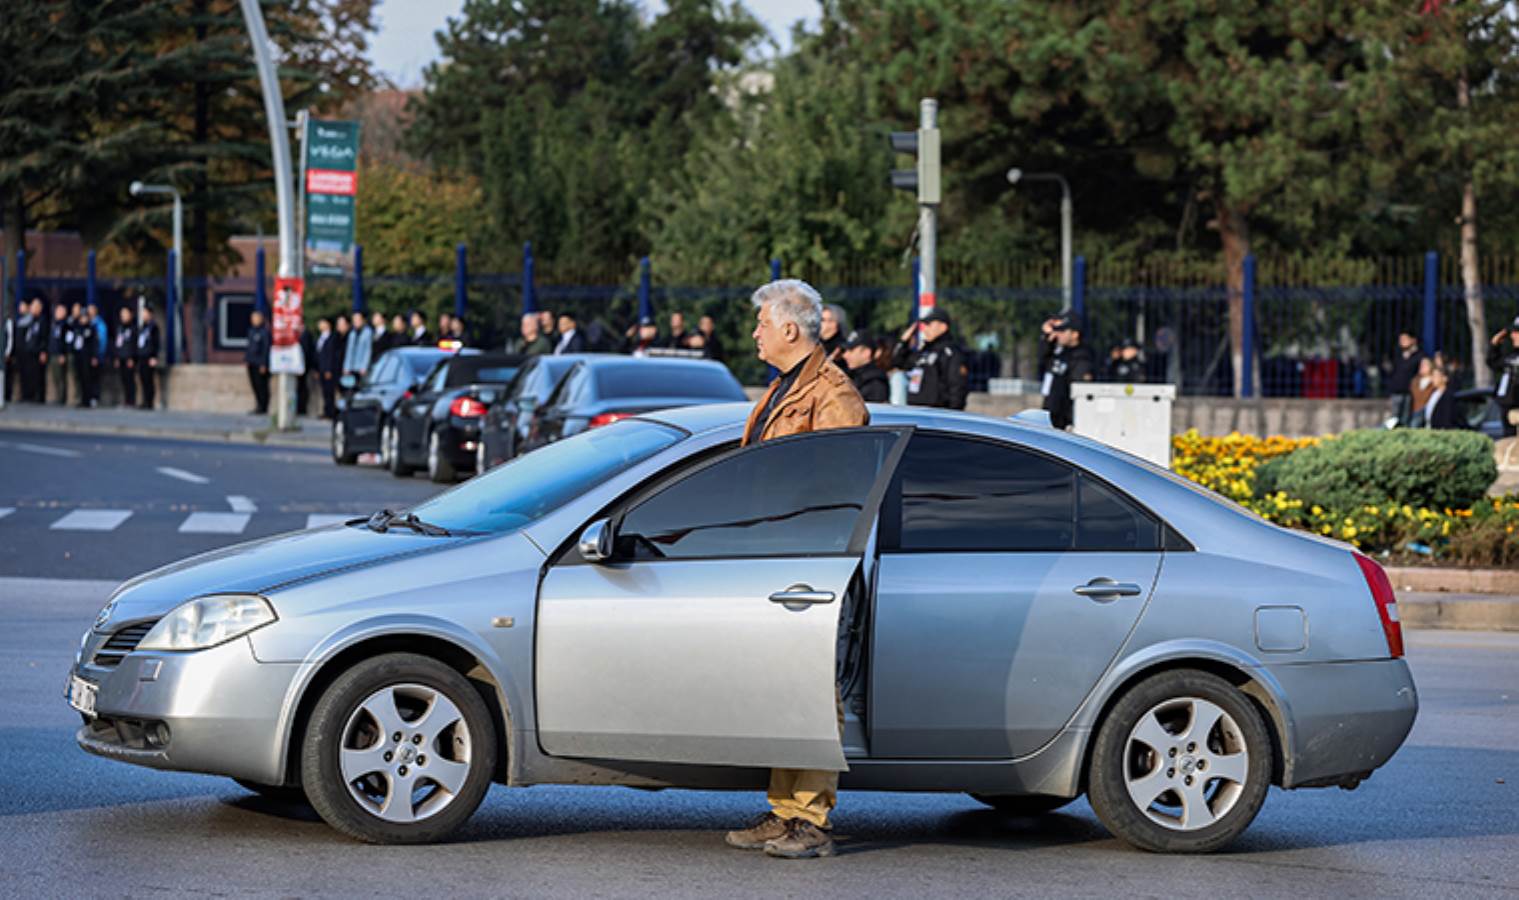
(64, 356)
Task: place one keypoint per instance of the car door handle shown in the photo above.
(800, 595)
(1104, 588)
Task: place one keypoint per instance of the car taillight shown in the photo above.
(406, 395)
(1387, 603)
(467, 408)
(607, 419)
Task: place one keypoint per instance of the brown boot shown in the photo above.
(802, 840)
(765, 829)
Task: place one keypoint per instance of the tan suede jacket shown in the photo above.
(822, 397)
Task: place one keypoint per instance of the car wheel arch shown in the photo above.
(339, 659)
(1252, 681)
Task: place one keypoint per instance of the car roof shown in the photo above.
(617, 361)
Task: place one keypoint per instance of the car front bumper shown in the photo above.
(1348, 718)
(216, 711)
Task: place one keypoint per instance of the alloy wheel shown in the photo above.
(1186, 763)
(405, 753)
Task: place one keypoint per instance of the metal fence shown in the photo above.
(1313, 331)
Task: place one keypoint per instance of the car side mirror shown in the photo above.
(348, 382)
(597, 541)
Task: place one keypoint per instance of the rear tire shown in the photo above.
(340, 452)
(1024, 804)
(375, 788)
(397, 466)
(1181, 764)
(439, 468)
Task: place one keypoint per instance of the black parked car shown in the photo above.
(599, 390)
(437, 425)
(366, 407)
(506, 422)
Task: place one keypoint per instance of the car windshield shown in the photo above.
(531, 486)
(616, 382)
(421, 363)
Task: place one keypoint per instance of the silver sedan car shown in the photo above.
(1004, 609)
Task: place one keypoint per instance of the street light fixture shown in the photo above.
(138, 189)
(1015, 175)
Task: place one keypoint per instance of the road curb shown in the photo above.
(1454, 581)
(267, 437)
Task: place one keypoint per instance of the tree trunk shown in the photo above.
(1234, 232)
(1471, 279)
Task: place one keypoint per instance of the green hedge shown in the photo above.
(1434, 469)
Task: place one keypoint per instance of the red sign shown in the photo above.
(286, 324)
(331, 181)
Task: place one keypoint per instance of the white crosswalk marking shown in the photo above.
(7, 510)
(318, 520)
(241, 504)
(182, 475)
(214, 523)
(92, 520)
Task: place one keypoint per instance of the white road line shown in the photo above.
(7, 510)
(214, 523)
(319, 520)
(92, 520)
(241, 504)
(39, 448)
(182, 475)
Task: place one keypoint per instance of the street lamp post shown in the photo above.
(138, 189)
(1015, 175)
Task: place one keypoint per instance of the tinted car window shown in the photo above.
(419, 363)
(796, 497)
(383, 373)
(654, 380)
(529, 487)
(478, 369)
(966, 495)
(1106, 521)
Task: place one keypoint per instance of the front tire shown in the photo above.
(340, 452)
(1181, 764)
(399, 750)
(394, 462)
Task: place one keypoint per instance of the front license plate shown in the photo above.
(82, 695)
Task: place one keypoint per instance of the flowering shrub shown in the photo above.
(1484, 534)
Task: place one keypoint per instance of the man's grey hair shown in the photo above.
(794, 300)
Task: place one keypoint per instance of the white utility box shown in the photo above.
(1135, 418)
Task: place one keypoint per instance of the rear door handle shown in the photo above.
(1107, 588)
(801, 595)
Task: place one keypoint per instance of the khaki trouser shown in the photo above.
(61, 378)
(806, 793)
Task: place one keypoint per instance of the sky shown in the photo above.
(404, 43)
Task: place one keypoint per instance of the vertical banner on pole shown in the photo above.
(461, 280)
(1079, 287)
(529, 298)
(260, 302)
(90, 297)
(645, 300)
(1247, 365)
(358, 278)
(329, 189)
(20, 279)
(170, 312)
(285, 356)
(775, 270)
(1431, 335)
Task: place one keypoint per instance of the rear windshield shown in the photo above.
(666, 380)
(421, 363)
(479, 371)
(534, 485)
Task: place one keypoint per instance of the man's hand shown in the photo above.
(1498, 338)
(263, 370)
(907, 335)
(43, 355)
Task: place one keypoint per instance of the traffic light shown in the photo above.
(923, 144)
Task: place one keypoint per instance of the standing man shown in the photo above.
(936, 373)
(307, 342)
(96, 344)
(147, 355)
(678, 337)
(835, 326)
(1064, 360)
(379, 337)
(360, 347)
(420, 336)
(123, 352)
(570, 338)
(35, 348)
(534, 341)
(1127, 366)
(641, 337)
(1503, 357)
(706, 326)
(256, 359)
(811, 394)
(60, 344)
(860, 357)
(329, 365)
(1405, 367)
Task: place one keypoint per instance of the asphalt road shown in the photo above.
(1440, 820)
(79, 506)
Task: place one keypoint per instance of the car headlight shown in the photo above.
(208, 621)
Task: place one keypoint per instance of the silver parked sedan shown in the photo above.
(1006, 610)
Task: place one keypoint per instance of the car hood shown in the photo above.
(264, 566)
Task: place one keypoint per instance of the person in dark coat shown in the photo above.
(60, 347)
(1127, 366)
(32, 341)
(936, 371)
(147, 356)
(1063, 361)
(329, 365)
(1503, 359)
(420, 336)
(307, 343)
(95, 348)
(256, 359)
(711, 344)
(859, 360)
(571, 340)
(1405, 368)
(123, 354)
(1440, 410)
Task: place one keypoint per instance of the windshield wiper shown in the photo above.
(385, 519)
